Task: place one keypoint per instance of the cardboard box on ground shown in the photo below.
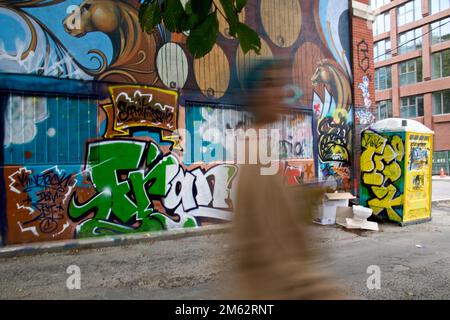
(335, 210)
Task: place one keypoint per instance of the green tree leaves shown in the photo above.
(149, 15)
(199, 17)
(201, 40)
(248, 38)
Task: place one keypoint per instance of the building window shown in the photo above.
(411, 107)
(439, 5)
(382, 50)
(440, 31)
(409, 12)
(411, 72)
(441, 64)
(378, 3)
(383, 79)
(382, 24)
(441, 102)
(410, 41)
(440, 161)
(384, 109)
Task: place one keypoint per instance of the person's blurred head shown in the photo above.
(265, 88)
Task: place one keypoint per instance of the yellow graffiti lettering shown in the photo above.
(373, 144)
(397, 144)
(392, 171)
(380, 192)
(373, 179)
(372, 140)
(379, 165)
(389, 154)
(388, 202)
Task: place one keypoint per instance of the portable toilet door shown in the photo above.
(418, 182)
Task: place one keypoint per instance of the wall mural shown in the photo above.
(84, 167)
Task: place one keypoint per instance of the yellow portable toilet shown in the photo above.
(396, 170)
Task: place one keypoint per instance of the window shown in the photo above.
(409, 12)
(378, 3)
(440, 64)
(440, 31)
(383, 78)
(411, 72)
(48, 130)
(441, 102)
(440, 160)
(382, 50)
(411, 107)
(439, 5)
(410, 41)
(382, 24)
(384, 109)
(207, 125)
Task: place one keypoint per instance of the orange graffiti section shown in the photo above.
(299, 172)
(36, 205)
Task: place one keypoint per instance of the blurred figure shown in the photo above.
(274, 256)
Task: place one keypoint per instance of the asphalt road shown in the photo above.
(414, 263)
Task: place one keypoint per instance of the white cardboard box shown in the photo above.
(326, 213)
(345, 218)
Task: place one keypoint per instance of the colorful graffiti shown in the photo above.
(126, 185)
(298, 173)
(364, 116)
(419, 158)
(334, 124)
(40, 199)
(382, 178)
(136, 108)
(334, 142)
(121, 151)
(129, 176)
(418, 177)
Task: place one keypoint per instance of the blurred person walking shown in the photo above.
(275, 259)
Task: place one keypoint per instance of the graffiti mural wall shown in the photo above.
(114, 161)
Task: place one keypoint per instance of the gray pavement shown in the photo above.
(414, 263)
(441, 188)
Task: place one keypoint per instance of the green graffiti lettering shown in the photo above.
(129, 175)
(117, 172)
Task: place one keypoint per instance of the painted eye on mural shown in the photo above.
(86, 7)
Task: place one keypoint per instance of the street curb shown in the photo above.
(110, 241)
(440, 201)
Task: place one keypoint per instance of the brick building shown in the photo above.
(412, 66)
(363, 71)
